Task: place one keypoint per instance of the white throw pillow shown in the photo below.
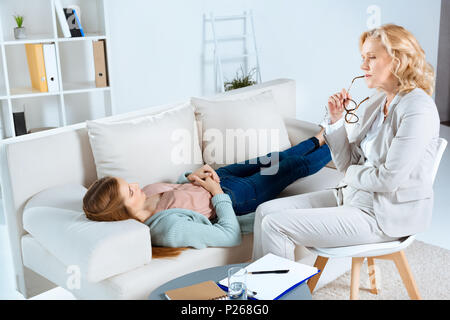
(99, 250)
(240, 129)
(148, 149)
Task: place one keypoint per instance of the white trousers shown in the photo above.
(312, 220)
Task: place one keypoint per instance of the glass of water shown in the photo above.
(237, 283)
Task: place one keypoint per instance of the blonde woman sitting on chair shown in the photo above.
(387, 192)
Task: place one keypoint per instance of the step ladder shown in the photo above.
(219, 59)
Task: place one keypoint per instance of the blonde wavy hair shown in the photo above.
(410, 66)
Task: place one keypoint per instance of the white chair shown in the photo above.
(386, 250)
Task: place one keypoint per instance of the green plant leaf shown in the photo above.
(240, 81)
(19, 20)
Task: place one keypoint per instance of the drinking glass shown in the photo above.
(237, 283)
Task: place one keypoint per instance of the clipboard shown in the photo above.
(274, 286)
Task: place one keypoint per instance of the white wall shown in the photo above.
(443, 74)
(157, 45)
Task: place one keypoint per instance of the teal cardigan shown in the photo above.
(186, 228)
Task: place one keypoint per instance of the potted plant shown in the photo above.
(19, 31)
(241, 81)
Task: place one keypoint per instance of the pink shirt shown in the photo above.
(184, 196)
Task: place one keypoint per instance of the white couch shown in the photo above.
(52, 244)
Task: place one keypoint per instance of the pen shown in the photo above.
(251, 293)
(269, 271)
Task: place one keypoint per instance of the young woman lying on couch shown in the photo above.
(200, 209)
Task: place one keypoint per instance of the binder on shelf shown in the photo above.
(62, 19)
(51, 70)
(36, 66)
(100, 63)
(73, 23)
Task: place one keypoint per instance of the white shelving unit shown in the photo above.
(78, 99)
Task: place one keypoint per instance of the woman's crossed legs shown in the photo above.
(311, 219)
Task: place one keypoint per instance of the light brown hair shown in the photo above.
(102, 202)
(410, 66)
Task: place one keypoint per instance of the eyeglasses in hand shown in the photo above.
(352, 106)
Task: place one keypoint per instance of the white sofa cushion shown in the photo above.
(54, 217)
(235, 130)
(137, 283)
(148, 149)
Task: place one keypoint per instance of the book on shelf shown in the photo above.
(36, 66)
(20, 126)
(73, 22)
(62, 19)
(100, 63)
(77, 19)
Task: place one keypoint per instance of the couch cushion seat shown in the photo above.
(139, 282)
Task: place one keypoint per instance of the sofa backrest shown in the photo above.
(33, 163)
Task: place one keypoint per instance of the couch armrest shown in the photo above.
(99, 249)
(299, 130)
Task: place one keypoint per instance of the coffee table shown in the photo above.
(216, 274)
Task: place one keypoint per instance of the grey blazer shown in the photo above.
(403, 155)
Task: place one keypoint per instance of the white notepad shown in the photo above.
(273, 286)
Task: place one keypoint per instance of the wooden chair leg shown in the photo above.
(354, 285)
(372, 279)
(319, 264)
(405, 273)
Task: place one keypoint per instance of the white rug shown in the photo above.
(429, 264)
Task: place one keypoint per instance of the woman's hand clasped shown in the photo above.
(203, 173)
(336, 105)
(208, 184)
(207, 178)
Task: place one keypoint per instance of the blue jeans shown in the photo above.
(252, 182)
